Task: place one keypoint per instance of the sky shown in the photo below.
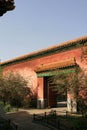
(37, 24)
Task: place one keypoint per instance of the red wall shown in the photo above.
(49, 59)
(27, 68)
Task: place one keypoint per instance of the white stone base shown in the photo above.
(40, 103)
(71, 105)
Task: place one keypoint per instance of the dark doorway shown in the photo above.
(51, 96)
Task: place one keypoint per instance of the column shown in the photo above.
(40, 100)
(71, 102)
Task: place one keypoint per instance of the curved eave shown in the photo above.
(56, 65)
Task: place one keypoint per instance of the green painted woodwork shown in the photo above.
(56, 72)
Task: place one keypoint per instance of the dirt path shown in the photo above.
(24, 119)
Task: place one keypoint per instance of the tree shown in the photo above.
(58, 82)
(76, 83)
(82, 92)
(13, 88)
(6, 5)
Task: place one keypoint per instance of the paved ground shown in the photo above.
(24, 119)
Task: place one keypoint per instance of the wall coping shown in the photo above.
(71, 44)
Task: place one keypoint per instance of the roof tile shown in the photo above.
(58, 65)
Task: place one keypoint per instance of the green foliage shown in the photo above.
(7, 107)
(64, 82)
(80, 123)
(33, 101)
(82, 92)
(13, 88)
(1, 103)
(59, 82)
(73, 82)
(5, 125)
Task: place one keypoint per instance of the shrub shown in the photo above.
(2, 103)
(7, 107)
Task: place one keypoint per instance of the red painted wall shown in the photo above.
(27, 68)
(32, 64)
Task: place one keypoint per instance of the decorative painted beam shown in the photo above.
(56, 72)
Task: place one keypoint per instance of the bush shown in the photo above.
(80, 123)
(7, 107)
(82, 107)
(2, 103)
(16, 103)
(5, 125)
(33, 101)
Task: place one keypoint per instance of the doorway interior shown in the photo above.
(52, 98)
